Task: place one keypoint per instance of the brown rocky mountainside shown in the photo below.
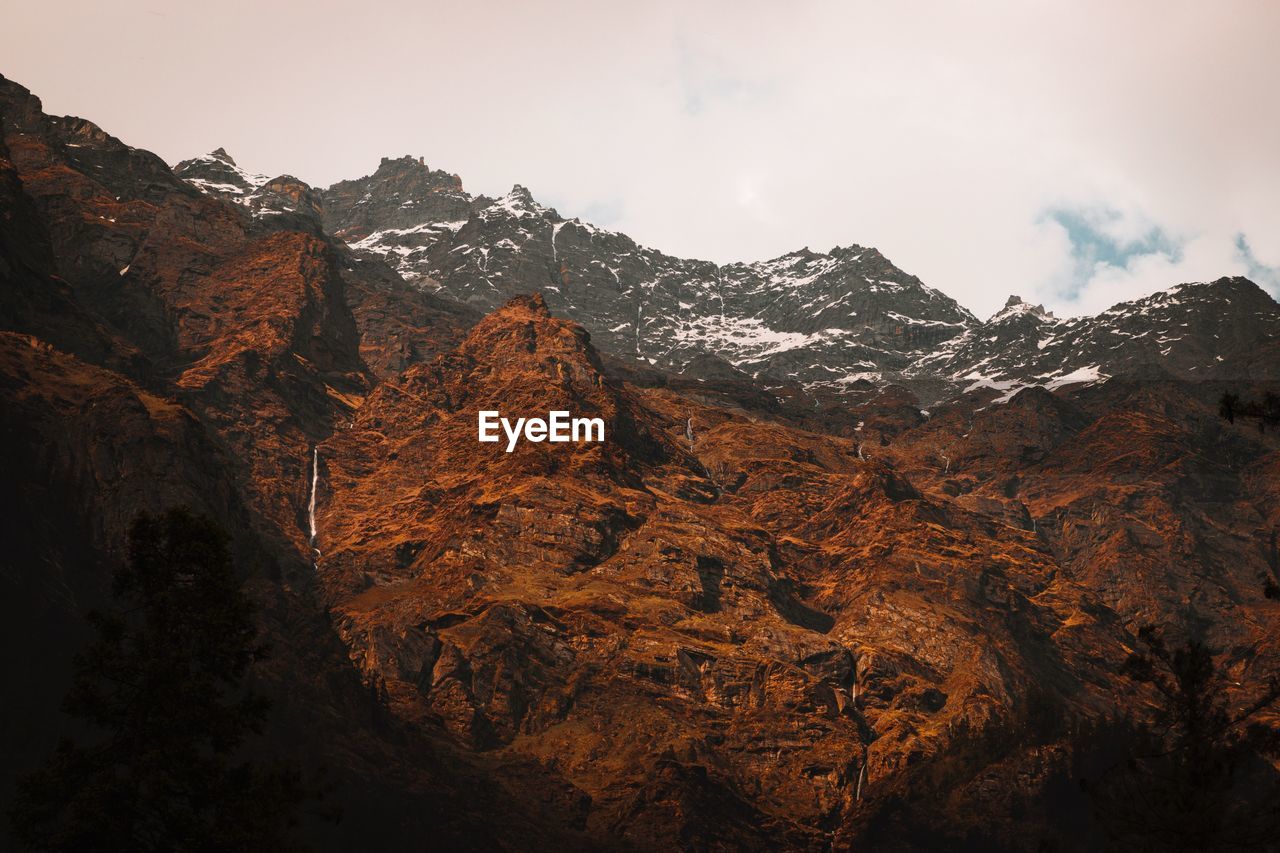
(747, 619)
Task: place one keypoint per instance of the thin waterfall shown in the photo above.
(311, 504)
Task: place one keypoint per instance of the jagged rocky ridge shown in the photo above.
(833, 321)
(284, 196)
(838, 322)
(1201, 331)
(826, 320)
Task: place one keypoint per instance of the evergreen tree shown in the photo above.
(1198, 773)
(1229, 406)
(1265, 411)
(162, 688)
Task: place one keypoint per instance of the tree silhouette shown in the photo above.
(1228, 406)
(1266, 411)
(1196, 774)
(162, 690)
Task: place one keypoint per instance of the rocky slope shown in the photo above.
(162, 347)
(743, 621)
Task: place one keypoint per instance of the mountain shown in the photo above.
(637, 612)
(831, 322)
(779, 607)
(295, 203)
(822, 319)
(163, 347)
(1198, 331)
(217, 173)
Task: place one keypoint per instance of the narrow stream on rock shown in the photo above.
(311, 504)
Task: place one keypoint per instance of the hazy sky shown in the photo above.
(1075, 153)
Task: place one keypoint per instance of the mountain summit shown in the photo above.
(833, 322)
(817, 318)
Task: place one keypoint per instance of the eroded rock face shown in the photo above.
(164, 347)
(259, 323)
(403, 193)
(536, 597)
(761, 609)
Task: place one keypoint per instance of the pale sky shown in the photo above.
(1075, 153)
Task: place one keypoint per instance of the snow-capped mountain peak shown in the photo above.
(831, 321)
(216, 173)
(1199, 330)
(825, 319)
(1016, 306)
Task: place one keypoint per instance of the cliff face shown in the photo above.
(160, 348)
(741, 620)
(758, 611)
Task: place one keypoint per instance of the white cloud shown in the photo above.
(1201, 259)
(941, 133)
